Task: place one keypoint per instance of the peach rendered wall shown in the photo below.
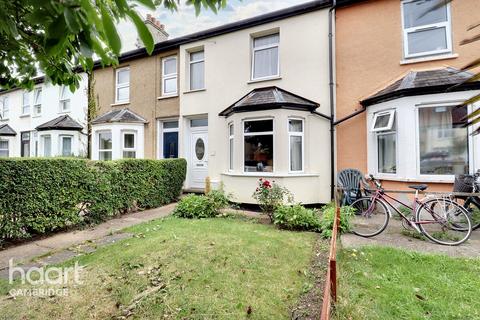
(369, 51)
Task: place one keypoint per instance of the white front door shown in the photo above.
(198, 159)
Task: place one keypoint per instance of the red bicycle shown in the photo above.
(438, 218)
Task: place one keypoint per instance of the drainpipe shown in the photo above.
(331, 21)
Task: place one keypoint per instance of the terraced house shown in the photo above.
(398, 73)
(241, 101)
(45, 122)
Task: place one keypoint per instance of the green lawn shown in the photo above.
(386, 283)
(193, 269)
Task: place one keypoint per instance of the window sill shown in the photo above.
(36, 116)
(167, 97)
(264, 79)
(4, 120)
(196, 90)
(120, 103)
(64, 112)
(429, 58)
(426, 179)
(24, 115)
(270, 174)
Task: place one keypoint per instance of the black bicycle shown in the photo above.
(470, 184)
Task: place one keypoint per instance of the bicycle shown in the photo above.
(440, 219)
(469, 183)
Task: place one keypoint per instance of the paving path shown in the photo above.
(63, 246)
(393, 237)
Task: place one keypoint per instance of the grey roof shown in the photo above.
(6, 130)
(269, 98)
(424, 82)
(119, 115)
(64, 122)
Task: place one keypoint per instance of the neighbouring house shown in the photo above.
(242, 101)
(47, 121)
(398, 69)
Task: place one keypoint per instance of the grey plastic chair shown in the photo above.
(351, 181)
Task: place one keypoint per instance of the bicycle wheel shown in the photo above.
(473, 209)
(444, 221)
(370, 219)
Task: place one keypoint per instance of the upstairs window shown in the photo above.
(122, 85)
(65, 96)
(265, 58)
(26, 103)
(5, 109)
(37, 101)
(258, 145)
(426, 27)
(197, 70)
(169, 76)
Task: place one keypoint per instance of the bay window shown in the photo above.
(265, 56)
(197, 70)
(129, 145)
(122, 85)
(295, 136)
(386, 141)
(4, 149)
(426, 27)
(169, 76)
(230, 146)
(47, 145)
(258, 145)
(105, 145)
(66, 145)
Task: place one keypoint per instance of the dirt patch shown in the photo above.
(309, 306)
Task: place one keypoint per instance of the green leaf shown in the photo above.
(113, 38)
(142, 30)
(71, 20)
(147, 3)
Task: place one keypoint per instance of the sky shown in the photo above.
(184, 21)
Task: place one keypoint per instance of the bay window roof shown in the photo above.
(6, 130)
(416, 83)
(269, 98)
(119, 115)
(64, 122)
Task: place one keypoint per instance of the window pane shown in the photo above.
(123, 94)
(230, 129)
(199, 122)
(65, 105)
(66, 146)
(3, 153)
(170, 124)
(443, 141)
(387, 153)
(266, 40)
(129, 154)
(266, 63)
(295, 125)
(170, 145)
(3, 148)
(170, 85)
(197, 80)
(105, 155)
(169, 66)
(382, 121)
(129, 140)
(47, 146)
(259, 153)
(195, 56)
(420, 13)
(427, 40)
(123, 76)
(258, 126)
(105, 140)
(231, 153)
(296, 157)
(26, 98)
(38, 96)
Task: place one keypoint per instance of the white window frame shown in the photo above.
(377, 169)
(231, 147)
(406, 31)
(64, 98)
(390, 123)
(192, 62)
(61, 138)
(134, 149)
(7, 149)
(42, 140)
(258, 134)
(37, 103)
(5, 111)
(277, 45)
(162, 130)
(296, 134)
(122, 85)
(99, 151)
(26, 105)
(169, 76)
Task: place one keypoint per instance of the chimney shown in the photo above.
(156, 29)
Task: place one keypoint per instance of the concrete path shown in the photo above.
(58, 244)
(393, 237)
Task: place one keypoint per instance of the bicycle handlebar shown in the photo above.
(375, 181)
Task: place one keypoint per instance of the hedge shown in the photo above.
(38, 196)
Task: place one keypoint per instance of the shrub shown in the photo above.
(328, 217)
(202, 206)
(296, 217)
(270, 196)
(41, 195)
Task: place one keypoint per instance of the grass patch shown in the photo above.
(388, 283)
(192, 269)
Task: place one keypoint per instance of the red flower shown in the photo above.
(266, 184)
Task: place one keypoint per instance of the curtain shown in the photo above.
(266, 62)
(296, 153)
(197, 80)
